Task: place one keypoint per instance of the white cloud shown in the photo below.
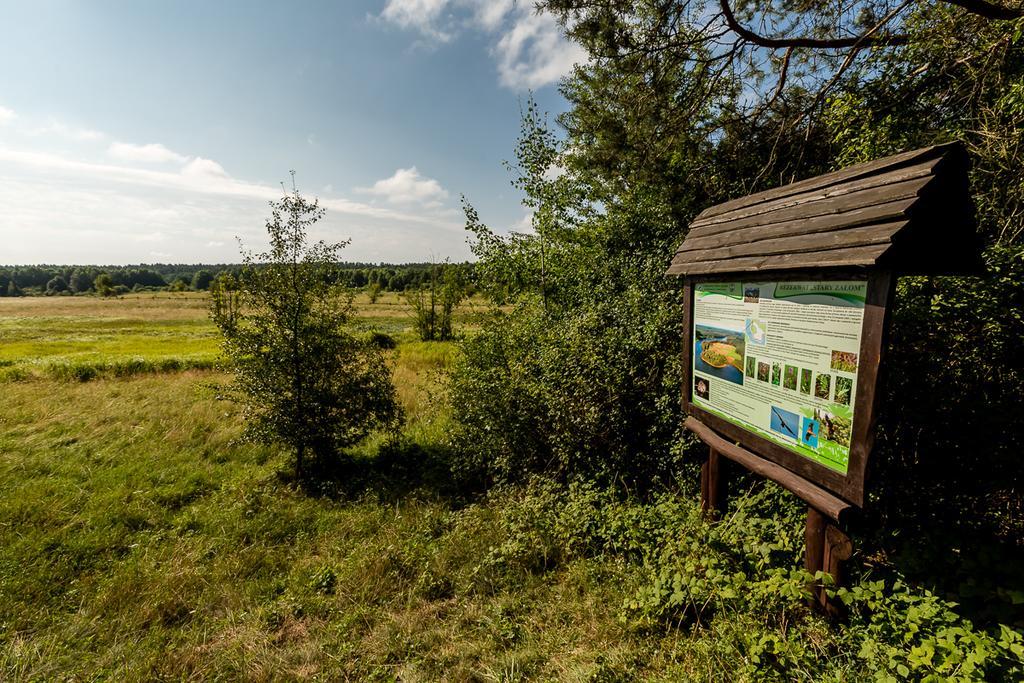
(524, 224)
(406, 186)
(153, 153)
(58, 128)
(7, 115)
(204, 168)
(533, 53)
(58, 209)
(530, 50)
(490, 13)
(421, 15)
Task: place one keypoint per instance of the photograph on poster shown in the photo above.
(822, 386)
(701, 388)
(789, 377)
(809, 432)
(784, 422)
(718, 352)
(805, 381)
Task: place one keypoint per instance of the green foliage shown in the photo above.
(732, 585)
(84, 371)
(943, 398)
(576, 377)
(433, 303)
(202, 280)
(901, 632)
(103, 285)
(302, 379)
(373, 291)
(381, 340)
(572, 396)
(80, 281)
(56, 285)
(581, 377)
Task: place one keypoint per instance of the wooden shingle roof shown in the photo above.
(911, 212)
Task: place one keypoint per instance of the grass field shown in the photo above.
(140, 541)
(84, 337)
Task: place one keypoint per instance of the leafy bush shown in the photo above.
(581, 394)
(433, 302)
(582, 377)
(736, 585)
(103, 284)
(381, 340)
(56, 285)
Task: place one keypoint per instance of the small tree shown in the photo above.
(55, 285)
(202, 280)
(103, 284)
(433, 303)
(303, 380)
(373, 291)
(80, 282)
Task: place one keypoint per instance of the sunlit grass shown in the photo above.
(84, 337)
(141, 541)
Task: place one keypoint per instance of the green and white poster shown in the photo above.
(780, 359)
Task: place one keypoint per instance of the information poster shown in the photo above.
(780, 359)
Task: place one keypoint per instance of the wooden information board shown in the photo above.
(787, 295)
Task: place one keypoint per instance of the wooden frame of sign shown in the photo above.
(866, 223)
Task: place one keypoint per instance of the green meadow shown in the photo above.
(142, 541)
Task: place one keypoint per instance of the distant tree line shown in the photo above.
(108, 280)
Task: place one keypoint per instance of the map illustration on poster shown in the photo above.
(780, 359)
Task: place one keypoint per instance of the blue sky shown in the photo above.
(157, 131)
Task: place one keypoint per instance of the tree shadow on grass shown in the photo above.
(948, 541)
(400, 470)
(947, 507)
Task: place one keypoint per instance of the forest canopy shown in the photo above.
(82, 278)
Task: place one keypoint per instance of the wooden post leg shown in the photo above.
(712, 486)
(838, 549)
(814, 540)
(828, 548)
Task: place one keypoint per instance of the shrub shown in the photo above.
(303, 380)
(56, 285)
(585, 392)
(103, 284)
(381, 340)
(433, 303)
(736, 584)
(373, 292)
(202, 280)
